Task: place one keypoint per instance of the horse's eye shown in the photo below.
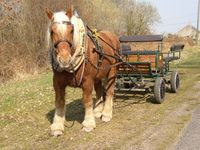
(72, 31)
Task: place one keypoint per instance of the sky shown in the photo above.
(175, 14)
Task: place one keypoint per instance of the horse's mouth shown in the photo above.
(65, 65)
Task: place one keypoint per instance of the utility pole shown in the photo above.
(198, 19)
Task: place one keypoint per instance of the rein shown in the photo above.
(93, 35)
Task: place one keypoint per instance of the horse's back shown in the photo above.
(111, 38)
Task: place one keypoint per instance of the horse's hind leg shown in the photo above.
(57, 128)
(89, 120)
(98, 108)
(108, 106)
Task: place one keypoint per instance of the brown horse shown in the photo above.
(76, 63)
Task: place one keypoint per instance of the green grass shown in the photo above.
(192, 56)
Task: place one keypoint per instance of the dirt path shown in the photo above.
(190, 137)
(190, 140)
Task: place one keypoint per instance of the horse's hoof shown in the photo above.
(98, 114)
(106, 118)
(57, 129)
(86, 129)
(88, 125)
(56, 133)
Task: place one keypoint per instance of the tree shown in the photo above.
(138, 16)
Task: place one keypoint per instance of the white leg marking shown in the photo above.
(89, 120)
(107, 110)
(57, 128)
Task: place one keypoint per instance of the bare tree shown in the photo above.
(138, 16)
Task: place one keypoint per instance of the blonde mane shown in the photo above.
(61, 17)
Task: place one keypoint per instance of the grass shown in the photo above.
(191, 58)
(27, 108)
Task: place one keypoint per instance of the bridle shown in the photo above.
(62, 40)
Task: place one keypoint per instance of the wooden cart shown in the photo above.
(148, 70)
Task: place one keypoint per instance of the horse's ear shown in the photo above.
(70, 11)
(49, 13)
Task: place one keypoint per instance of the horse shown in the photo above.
(76, 63)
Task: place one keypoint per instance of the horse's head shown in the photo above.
(61, 32)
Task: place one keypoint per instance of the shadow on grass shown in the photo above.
(132, 98)
(74, 112)
(137, 97)
(75, 109)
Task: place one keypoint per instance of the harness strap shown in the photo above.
(104, 68)
(65, 41)
(98, 47)
(116, 56)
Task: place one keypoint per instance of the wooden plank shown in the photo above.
(143, 68)
(142, 58)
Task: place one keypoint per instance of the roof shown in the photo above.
(188, 30)
(141, 38)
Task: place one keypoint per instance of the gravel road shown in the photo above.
(190, 140)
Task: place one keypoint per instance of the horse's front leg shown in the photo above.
(89, 119)
(57, 128)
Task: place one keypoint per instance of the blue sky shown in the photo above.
(175, 14)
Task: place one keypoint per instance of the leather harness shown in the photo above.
(98, 49)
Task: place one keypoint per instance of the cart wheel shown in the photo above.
(174, 81)
(159, 90)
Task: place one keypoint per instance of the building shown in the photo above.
(188, 31)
